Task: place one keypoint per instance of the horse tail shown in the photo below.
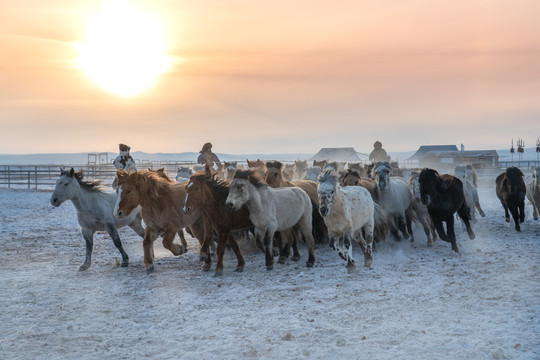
(319, 229)
(380, 231)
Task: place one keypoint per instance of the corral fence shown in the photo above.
(45, 176)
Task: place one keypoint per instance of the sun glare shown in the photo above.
(124, 51)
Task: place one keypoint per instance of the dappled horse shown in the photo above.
(161, 208)
(394, 196)
(347, 211)
(469, 189)
(511, 191)
(207, 194)
(273, 209)
(533, 191)
(443, 196)
(422, 214)
(352, 178)
(94, 208)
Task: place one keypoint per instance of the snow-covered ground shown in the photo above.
(415, 302)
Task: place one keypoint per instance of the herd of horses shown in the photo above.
(280, 205)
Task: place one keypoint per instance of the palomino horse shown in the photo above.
(274, 178)
(207, 194)
(394, 196)
(443, 196)
(511, 191)
(347, 211)
(533, 191)
(422, 213)
(352, 178)
(271, 210)
(469, 189)
(161, 208)
(94, 211)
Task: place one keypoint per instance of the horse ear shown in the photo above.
(120, 174)
(71, 172)
(62, 171)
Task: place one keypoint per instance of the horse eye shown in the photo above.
(65, 184)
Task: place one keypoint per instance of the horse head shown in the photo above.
(327, 191)
(197, 189)
(274, 174)
(428, 180)
(241, 188)
(513, 178)
(350, 178)
(65, 188)
(381, 174)
(127, 193)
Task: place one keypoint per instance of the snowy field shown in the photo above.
(415, 302)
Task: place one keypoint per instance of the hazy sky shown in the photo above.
(280, 76)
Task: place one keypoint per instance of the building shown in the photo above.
(338, 154)
(445, 157)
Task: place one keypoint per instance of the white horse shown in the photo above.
(533, 191)
(183, 173)
(346, 212)
(395, 198)
(421, 210)
(466, 174)
(94, 211)
(283, 209)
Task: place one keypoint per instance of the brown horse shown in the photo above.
(511, 191)
(258, 165)
(207, 194)
(274, 178)
(161, 209)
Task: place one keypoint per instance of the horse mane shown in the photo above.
(252, 176)
(218, 187)
(88, 185)
(154, 184)
(161, 173)
(329, 177)
(274, 164)
(474, 174)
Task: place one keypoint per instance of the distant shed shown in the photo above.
(448, 156)
(347, 154)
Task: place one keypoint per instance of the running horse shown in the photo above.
(511, 191)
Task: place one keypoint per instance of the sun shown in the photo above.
(123, 52)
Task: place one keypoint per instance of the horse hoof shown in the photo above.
(270, 267)
(507, 219)
(282, 259)
(295, 258)
(309, 264)
(84, 267)
(205, 267)
(351, 268)
(367, 262)
(124, 264)
(202, 257)
(239, 269)
(218, 273)
(150, 270)
(430, 244)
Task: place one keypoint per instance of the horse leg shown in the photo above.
(506, 214)
(137, 226)
(348, 252)
(240, 262)
(522, 211)
(113, 233)
(148, 249)
(463, 212)
(168, 238)
(183, 241)
(427, 230)
(88, 236)
(222, 241)
(393, 228)
(450, 232)
(515, 216)
(283, 246)
(402, 225)
(440, 229)
(479, 208)
(305, 231)
(269, 250)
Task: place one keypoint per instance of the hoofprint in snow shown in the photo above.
(414, 303)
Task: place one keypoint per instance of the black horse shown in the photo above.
(511, 192)
(443, 196)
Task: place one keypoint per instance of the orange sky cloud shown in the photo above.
(270, 77)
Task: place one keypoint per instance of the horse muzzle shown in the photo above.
(119, 214)
(230, 206)
(323, 210)
(55, 202)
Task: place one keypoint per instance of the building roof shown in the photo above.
(424, 149)
(463, 154)
(337, 154)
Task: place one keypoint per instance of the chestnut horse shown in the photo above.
(274, 178)
(511, 191)
(161, 209)
(443, 196)
(207, 194)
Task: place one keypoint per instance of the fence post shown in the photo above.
(8, 178)
(36, 178)
(29, 179)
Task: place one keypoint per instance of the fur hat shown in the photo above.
(124, 147)
(206, 147)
